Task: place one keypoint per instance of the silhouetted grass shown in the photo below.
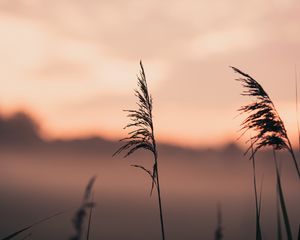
(219, 229)
(142, 137)
(25, 229)
(90, 221)
(270, 131)
(297, 109)
(282, 200)
(263, 119)
(278, 215)
(257, 199)
(87, 203)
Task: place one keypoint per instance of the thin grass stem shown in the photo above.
(282, 200)
(278, 215)
(257, 204)
(90, 219)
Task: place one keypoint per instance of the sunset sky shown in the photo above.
(73, 64)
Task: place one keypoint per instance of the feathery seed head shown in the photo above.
(141, 136)
(263, 117)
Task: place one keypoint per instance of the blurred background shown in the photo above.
(68, 69)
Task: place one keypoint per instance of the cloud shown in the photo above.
(72, 58)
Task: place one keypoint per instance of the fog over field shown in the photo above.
(41, 178)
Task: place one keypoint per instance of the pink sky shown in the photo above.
(73, 64)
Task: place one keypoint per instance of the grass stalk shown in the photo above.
(278, 215)
(90, 219)
(282, 200)
(260, 199)
(257, 201)
(87, 203)
(158, 187)
(297, 109)
(25, 229)
(142, 137)
(219, 230)
(270, 131)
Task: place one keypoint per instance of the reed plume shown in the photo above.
(263, 119)
(270, 131)
(142, 135)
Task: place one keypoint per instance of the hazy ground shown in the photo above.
(41, 179)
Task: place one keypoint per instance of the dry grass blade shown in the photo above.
(142, 135)
(11, 236)
(263, 118)
(81, 213)
(150, 174)
(17, 233)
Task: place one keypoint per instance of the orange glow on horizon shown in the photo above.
(195, 141)
(75, 76)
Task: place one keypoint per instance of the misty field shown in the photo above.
(37, 183)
